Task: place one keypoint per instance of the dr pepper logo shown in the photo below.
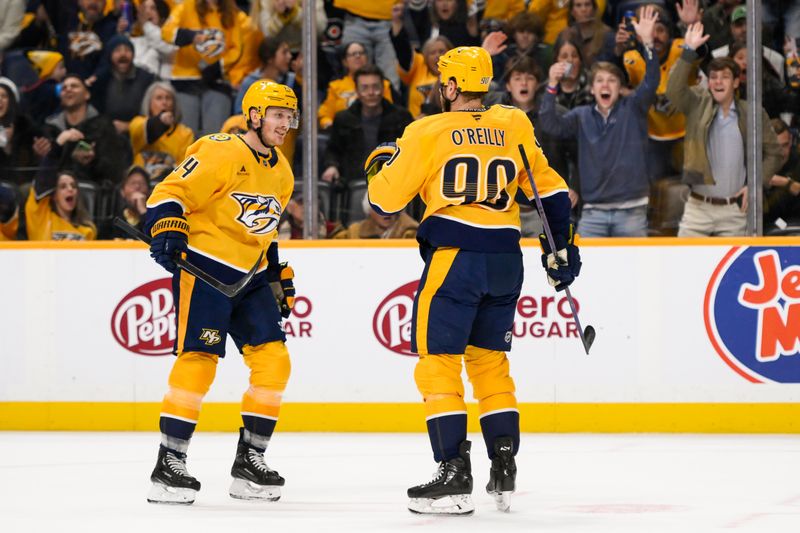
(752, 313)
(392, 321)
(144, 321)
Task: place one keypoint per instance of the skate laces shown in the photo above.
(177, 465)
(257, 459)
(436, 475)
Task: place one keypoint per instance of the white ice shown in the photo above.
(87, 482)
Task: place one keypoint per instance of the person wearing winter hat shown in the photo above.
(120, 85)
(41, 99)
(19, 145)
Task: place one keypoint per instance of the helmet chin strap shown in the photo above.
(261, 137)
(447, 104)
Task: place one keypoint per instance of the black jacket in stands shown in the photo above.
(109, 161)
(347, 148)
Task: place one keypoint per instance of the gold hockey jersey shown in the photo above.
(231, 196)
(466, 167)
(220, 44)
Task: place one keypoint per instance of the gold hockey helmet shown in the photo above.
(264, 94)
(470, 66)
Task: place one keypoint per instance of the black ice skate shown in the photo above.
(502, 473)
(172, 483)
(252, 478)
(449, 492)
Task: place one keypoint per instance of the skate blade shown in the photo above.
(242, 489)
(502, 500)
(160, 493)
(457, 505)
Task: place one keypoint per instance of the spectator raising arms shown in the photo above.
(55, 211)
(342, 92)
(420, 72)
(611, 141)
(714, 150)
(158, 137)
(209, 42)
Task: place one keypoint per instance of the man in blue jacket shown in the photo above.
(612, 141)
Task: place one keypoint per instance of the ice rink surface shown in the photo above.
(87, 482)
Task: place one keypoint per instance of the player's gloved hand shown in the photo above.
(170, 237)
(563, 266)
(377, 158)
(281, 281)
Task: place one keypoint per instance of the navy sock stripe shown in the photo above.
(260, 426)
(504, 424)
(179, 429)
(446, 433)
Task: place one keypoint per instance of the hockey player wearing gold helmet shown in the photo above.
(221, 208)
(466, 166)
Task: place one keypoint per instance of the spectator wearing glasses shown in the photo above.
(368, 122)
(342, 92)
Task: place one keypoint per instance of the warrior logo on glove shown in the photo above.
(260, 214)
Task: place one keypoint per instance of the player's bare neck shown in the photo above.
(252, 140)
(473, 104)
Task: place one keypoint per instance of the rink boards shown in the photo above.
(692, 335)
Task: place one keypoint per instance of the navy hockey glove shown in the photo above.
(563, 266)
(281, 281)
(170, 238)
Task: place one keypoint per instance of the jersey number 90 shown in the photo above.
(465, 181)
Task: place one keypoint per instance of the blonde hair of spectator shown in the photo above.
(148, 95)
(433, 40)
(605, 66)
(227, 9)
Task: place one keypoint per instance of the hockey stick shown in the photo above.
(588, 335)
(228, 290)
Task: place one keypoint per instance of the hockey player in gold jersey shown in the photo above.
(466, 166)
(221, 207)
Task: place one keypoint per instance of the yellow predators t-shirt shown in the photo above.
(466, 167)
(44, 224)
(232, 198)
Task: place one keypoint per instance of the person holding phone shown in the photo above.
(82, 140)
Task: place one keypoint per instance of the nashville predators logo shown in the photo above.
(210, 336)
(211, 44)
(260, 214)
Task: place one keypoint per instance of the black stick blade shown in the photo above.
(588, 338)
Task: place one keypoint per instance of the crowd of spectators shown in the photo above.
(640, 106)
